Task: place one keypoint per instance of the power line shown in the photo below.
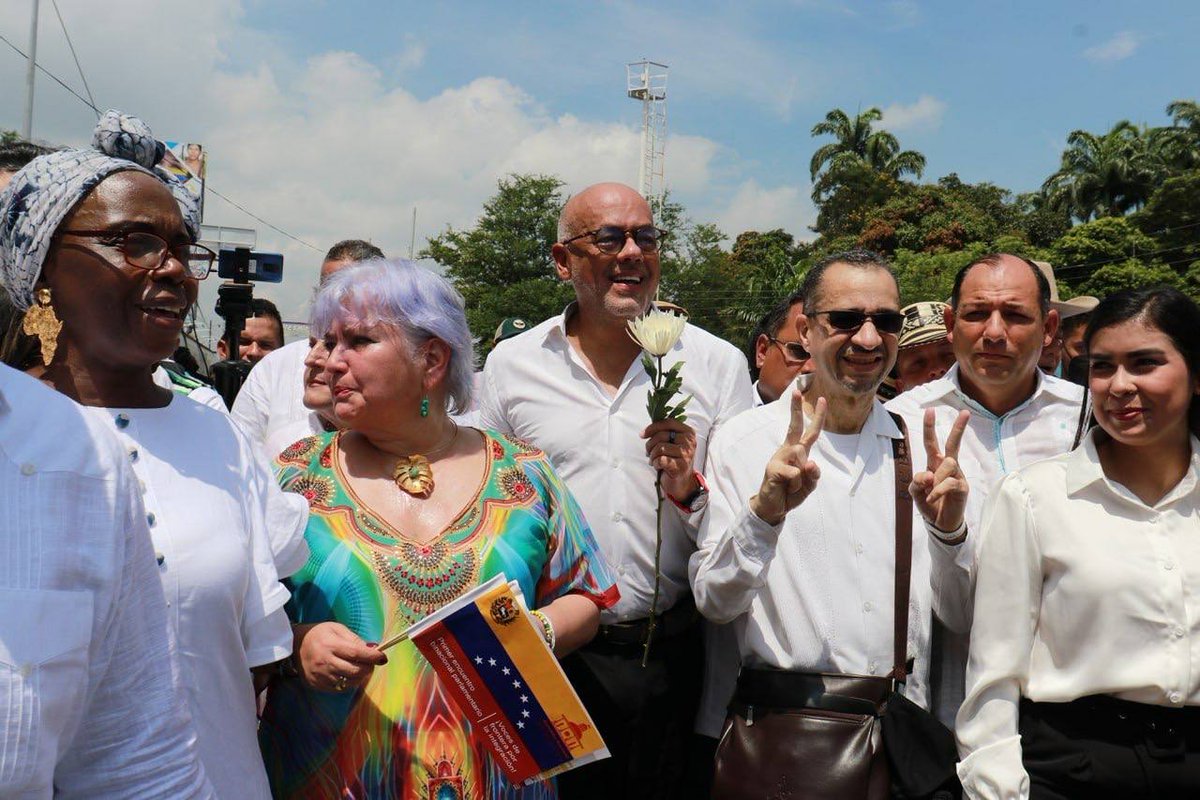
(66, 35)
(92, 106)
(51, 75)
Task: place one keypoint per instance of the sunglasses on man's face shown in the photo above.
(846, 320)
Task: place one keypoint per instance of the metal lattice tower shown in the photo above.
(646, 82)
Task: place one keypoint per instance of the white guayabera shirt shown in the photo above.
(90, 699)
(537, 388)
(1081, 589)
(270, 406)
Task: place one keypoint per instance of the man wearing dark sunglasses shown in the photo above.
(575, 387)
(776, 352)
(801, 557)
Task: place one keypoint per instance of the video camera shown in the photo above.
(235, 302)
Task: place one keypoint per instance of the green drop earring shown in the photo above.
(424, 406)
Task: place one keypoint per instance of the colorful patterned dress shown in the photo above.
(401, 736)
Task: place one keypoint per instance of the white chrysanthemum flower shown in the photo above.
(657, 331)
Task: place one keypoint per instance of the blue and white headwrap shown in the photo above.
(48, 188)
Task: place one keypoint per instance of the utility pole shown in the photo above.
(30, 73)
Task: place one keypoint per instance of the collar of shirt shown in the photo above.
(1084, 470)
(951, 382)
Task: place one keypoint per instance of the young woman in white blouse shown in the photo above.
(1084, 674)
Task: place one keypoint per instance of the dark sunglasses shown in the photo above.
(610, 239)
(793, 352)
(884, 321)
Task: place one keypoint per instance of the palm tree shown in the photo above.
(1105, 175)
(858, 145)
(1179, 144)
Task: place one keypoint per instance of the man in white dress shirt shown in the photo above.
(1000, 318)
(574, 386)
(805, 570)
(270, 406)
(776, 351)
(90, 699)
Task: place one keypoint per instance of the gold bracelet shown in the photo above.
(547, 628)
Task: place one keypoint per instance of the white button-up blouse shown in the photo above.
(1081, 589)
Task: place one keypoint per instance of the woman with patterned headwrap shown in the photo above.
(99, 253)
(409, 511)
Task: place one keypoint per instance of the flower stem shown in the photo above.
(658, 492)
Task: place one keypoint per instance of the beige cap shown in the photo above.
(924, 322)
(1066, 308)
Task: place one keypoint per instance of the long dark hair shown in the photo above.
(1162, 308)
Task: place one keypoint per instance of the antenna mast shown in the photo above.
(646, 82)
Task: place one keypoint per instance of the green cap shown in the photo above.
(508, 328)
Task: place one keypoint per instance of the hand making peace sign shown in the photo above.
(790, 475)
(940, 491)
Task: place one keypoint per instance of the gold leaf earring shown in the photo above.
(41, 321)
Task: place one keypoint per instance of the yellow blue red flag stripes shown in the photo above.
(491, 657)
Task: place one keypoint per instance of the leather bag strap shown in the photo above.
(902, 461)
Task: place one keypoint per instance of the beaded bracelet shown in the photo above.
(547, 628)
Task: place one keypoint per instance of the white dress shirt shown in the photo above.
(270, 406)
(204, 395)
(815, 593)
(1081, 589)
(992, 446)
(537, 388)
(206, 501)
(90, 699)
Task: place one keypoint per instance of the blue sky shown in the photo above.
(336, 119)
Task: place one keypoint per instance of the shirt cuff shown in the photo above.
(954, 537)
(995, 771)
(754, 537)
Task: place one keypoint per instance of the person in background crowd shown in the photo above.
(389, 550)
(806, 575)
(1082, 681)
(16, 154)
(270, 407)
(1075, 315)
(574, 386)
(90, 699)
(101, 254)
(999, 320)
(775, 352)
(924, 351)
(261, 336)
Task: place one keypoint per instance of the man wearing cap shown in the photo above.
(1000, 317)
(924, 352)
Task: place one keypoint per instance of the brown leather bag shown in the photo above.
(831, 748)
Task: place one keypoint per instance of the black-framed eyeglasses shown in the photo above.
(610, 239)
(793, 352)
(848, 320)
(149, 251)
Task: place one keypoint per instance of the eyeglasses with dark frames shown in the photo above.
(793, 352)
(610, 239)
(848, 320)
(149, 251)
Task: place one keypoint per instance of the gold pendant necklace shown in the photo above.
(414, 474)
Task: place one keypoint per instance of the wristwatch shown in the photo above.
(697, 500)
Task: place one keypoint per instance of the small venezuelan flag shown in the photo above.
(490, 655)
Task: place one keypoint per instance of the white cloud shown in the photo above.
(755, 207)
(335, 146)
(923, 115)
(1120, 47)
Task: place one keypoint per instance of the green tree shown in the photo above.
(1105, 175)
(502, 265)
(1129, 274)
(1107, 240)
(857, 143)
(1172, 217)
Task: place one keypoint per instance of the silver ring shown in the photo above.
(671, 437)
